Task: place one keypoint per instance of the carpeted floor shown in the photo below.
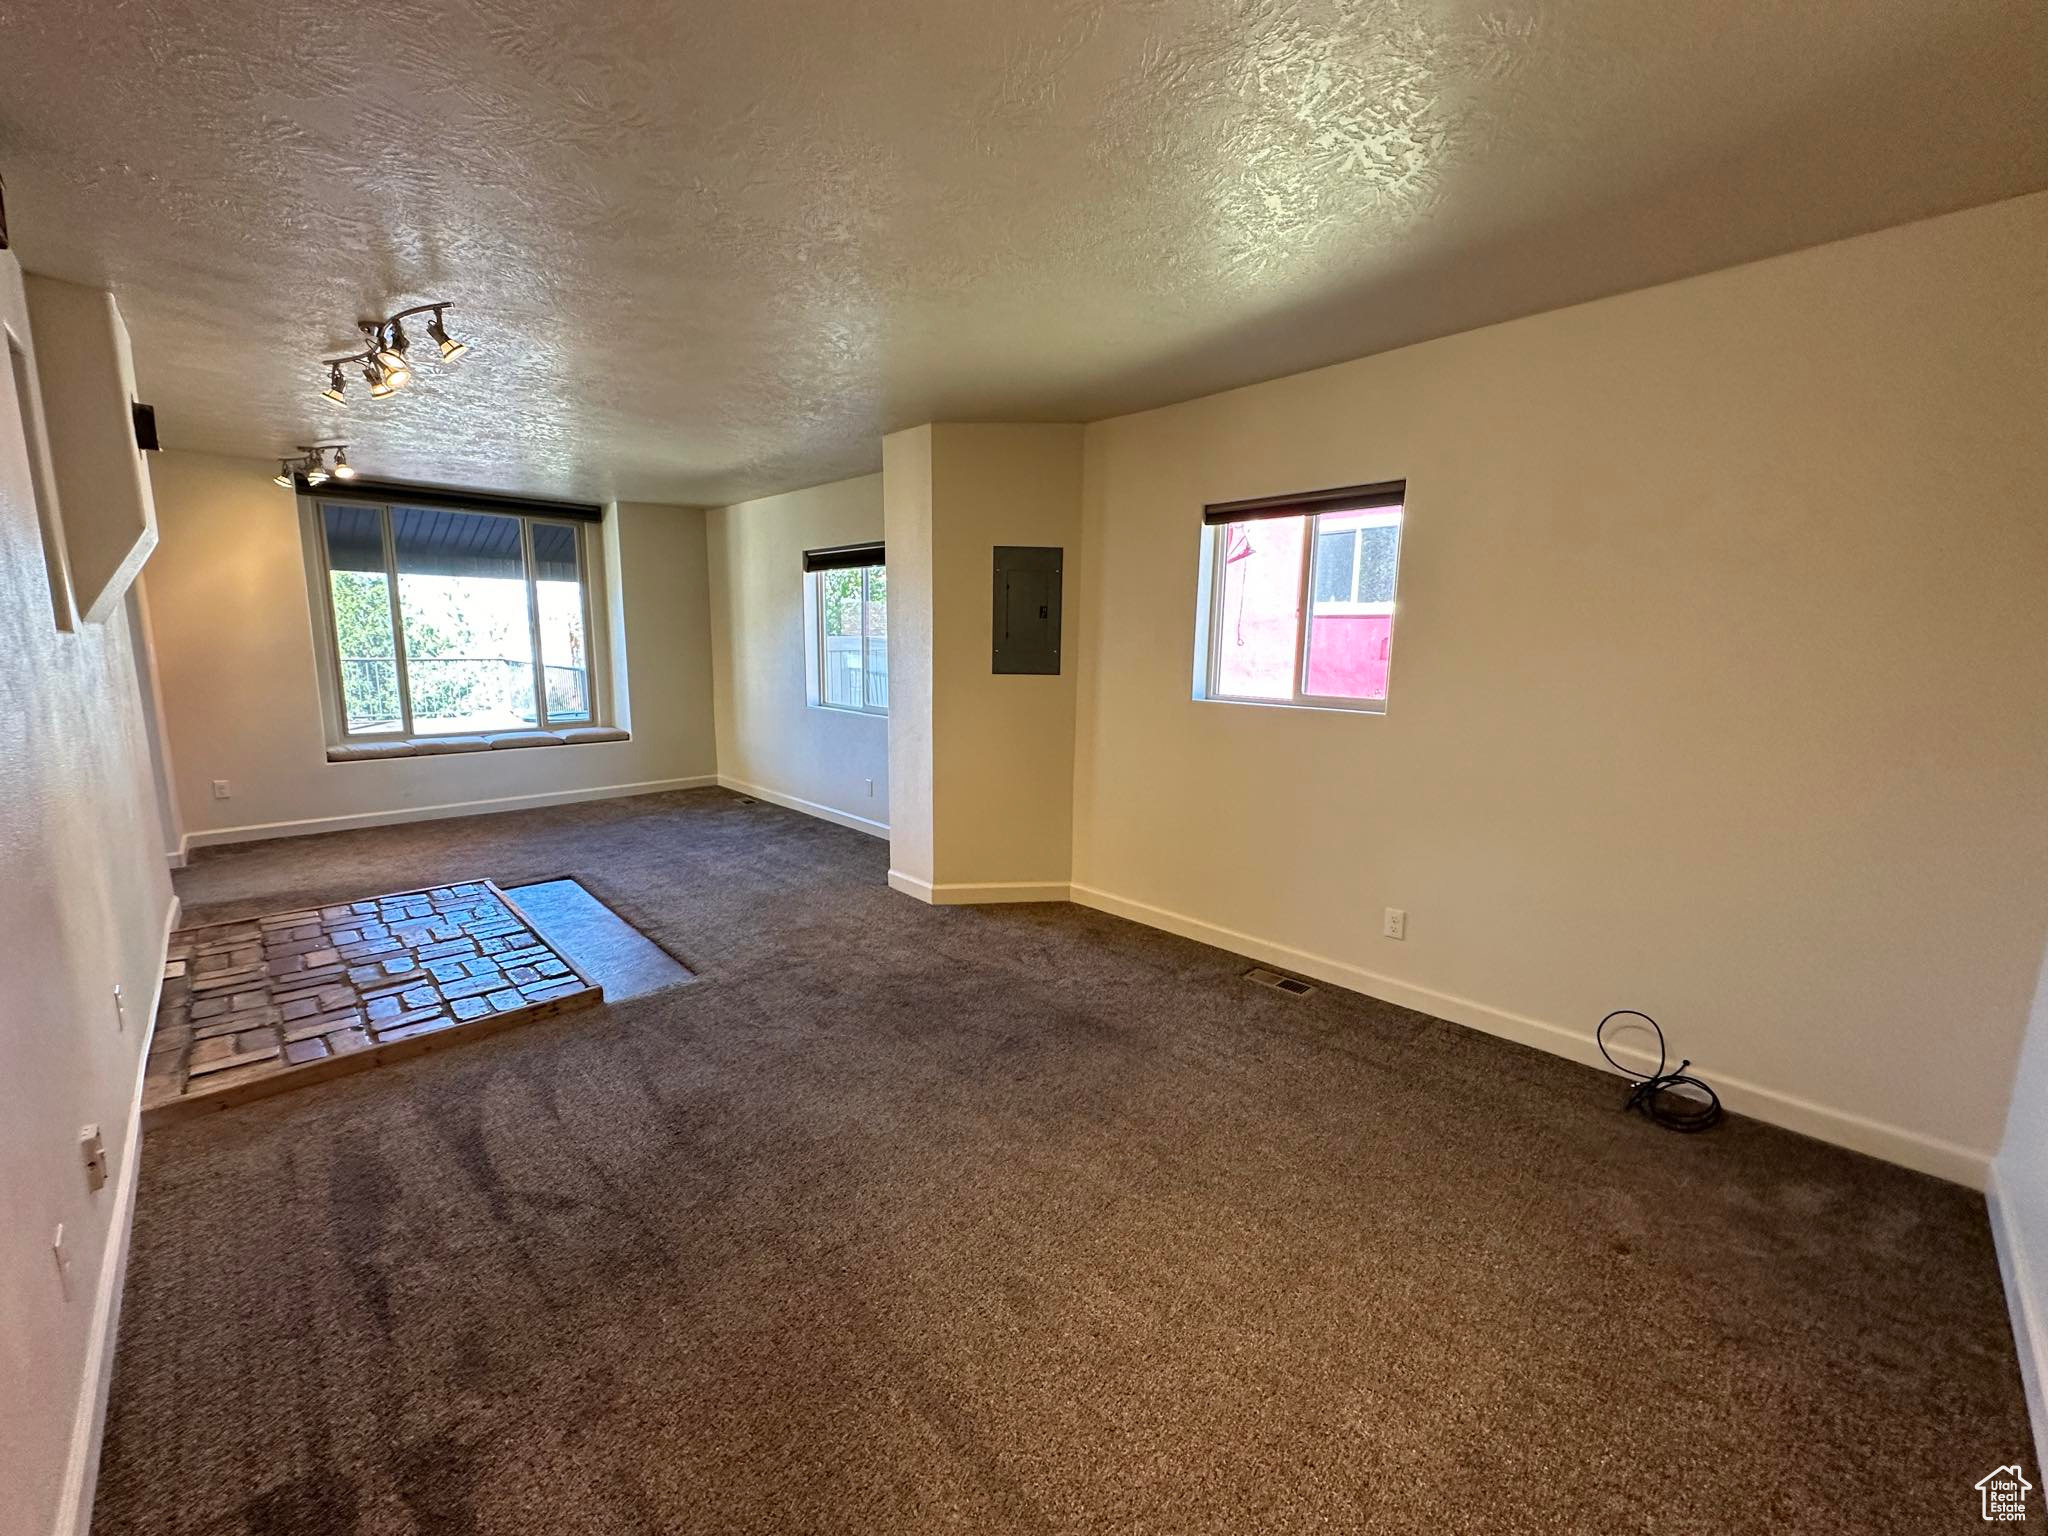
(905, 1219)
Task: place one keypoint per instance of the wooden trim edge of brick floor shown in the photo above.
(292, 1078)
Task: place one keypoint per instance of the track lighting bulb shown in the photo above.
(380, 382)
(392, 350)
(283, 476)
(316, 475)
(451, 349)
(343, 470)
(335, 385)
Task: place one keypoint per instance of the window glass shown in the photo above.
(1351, 625)
(468, 633)
(839, 629)
(558, 594)
(360, 591)
(1336, 558)
(875, 634)
(850, 610)
(1301, 609)
(1258, 628)
(1379, 550)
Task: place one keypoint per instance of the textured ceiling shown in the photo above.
(710, 251)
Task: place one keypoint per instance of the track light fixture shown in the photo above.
(438, 334)
(385, 357)
(312, 463)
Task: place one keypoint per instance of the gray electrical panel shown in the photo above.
(1027, 614)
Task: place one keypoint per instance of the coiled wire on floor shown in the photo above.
(1675, 1100)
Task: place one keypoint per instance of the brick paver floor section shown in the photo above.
(258, 1006)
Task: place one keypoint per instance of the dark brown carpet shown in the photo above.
(1025, 1219)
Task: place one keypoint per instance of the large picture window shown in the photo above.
(448, 622)
(1300, 599)
(850, 619)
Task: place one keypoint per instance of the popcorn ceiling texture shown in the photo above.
(715, 252)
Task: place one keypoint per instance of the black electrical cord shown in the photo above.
(1654, 1093)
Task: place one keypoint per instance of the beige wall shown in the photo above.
(771, 742)
(84, 906)
(1717, 686)
(997, 824)
(234, 644)
(1004, 745)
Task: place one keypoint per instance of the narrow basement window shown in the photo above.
(1297, 599)
(846, 621)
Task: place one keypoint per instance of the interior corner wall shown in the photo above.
(233, 627)
(1717, 680)
(84, 908)
(772, 742)
(662, 601)
(1003, 745)
(982, 763)
(907, 530)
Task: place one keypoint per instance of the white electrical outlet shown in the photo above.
(1396, 925)
(120, 1009)
(92, 1146)
(871, 787)
(220, 789)
(62, 1256)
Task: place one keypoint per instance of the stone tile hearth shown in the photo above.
(260, 1006)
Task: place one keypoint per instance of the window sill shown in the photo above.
(849, 709)
(1363, 707)
(367, 751)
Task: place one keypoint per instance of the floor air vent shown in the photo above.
(1277, 982)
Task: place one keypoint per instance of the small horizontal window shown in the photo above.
(1299, 605)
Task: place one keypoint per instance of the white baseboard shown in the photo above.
(176, 857)
(968, 894)
(809, 807)
(2029, 1328)
(1927, 1154)
(89, 1421)
(399, 815)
